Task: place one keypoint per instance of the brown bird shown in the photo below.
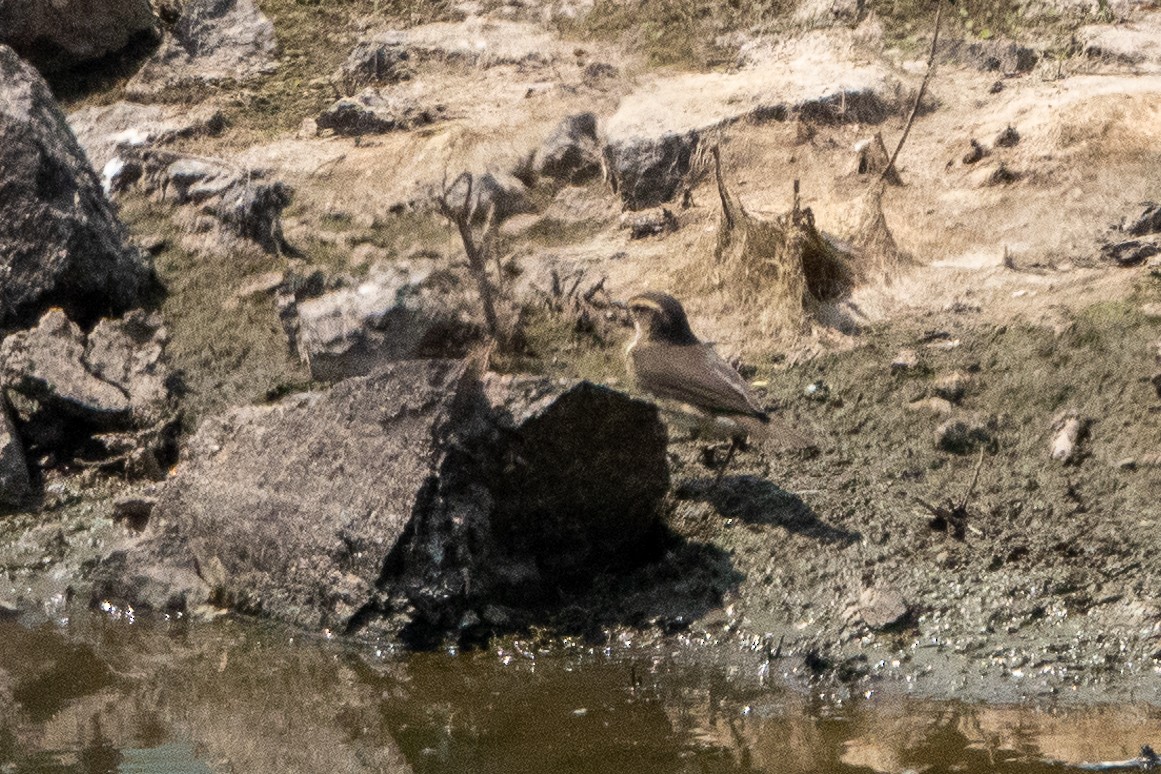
(667, 360)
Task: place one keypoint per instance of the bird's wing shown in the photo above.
(693, 374)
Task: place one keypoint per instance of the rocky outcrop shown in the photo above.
(572, 153)
(402, 311)
(213, 40)
(60, 241)
(55, 34)
(375, 112)
(219, 203)
(105, 131)
(415, 500)
(14, 482)
(820, 76)
(374, 62)
(107, 389)
(999, 56)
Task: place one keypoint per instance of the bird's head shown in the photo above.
(659, 317)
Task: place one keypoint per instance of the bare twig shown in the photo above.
(727, 209)
(918, 95)
(476, 250)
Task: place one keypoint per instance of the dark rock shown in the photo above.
(572, 153)
(60, 241)
(959, 436)
(597, 72)
(1000, 174)
(652, 223)
(1155, 380)
(1132, 252)
(374, 112)
(212, 41)
(648, 172)
(56, 34)
(1148, 222)
(976, 153)
(406, 499)
(134, 510)
(14, 481)
(1009, 138)
(374, 62)
(990, 55)
(573, 491)
(404, 311)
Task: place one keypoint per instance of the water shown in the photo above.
(108, 695)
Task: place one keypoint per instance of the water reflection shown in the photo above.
(108, 696)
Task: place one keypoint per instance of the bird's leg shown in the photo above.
(734, 444)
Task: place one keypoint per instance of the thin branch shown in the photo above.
(919, 94)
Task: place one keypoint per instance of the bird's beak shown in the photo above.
(620, 305)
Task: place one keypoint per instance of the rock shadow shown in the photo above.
(664, 586)
(755, 500)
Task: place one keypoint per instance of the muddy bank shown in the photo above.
(978, 520)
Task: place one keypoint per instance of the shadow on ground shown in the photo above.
(755, 500)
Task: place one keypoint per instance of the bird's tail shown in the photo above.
(777, 433)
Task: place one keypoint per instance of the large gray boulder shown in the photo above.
(54, 34)
(212, 41)
(60, 241)
(416, 498)
(14, 482)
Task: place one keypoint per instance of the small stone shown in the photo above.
(1070, 429)
(1008, 138)
(655, 222)
(960, 436)
(952, 386)
(976, 153)
(883, 607)
(1152, 310)
(134, 510)
(905, 360)
(938, 406)
(817, 391)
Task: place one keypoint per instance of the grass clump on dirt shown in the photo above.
(674, 32)
(230, 351)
